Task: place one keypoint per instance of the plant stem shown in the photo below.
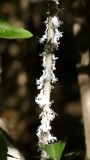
(47, 84)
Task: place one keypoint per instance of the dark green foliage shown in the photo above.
(71, 156)
(3, 147)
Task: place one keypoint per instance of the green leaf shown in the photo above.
(71, 156)
(3, 147)
(9, 31)
(55, 150)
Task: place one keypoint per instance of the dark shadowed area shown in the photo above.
(21, 65)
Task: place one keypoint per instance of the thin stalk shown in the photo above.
(47, 84)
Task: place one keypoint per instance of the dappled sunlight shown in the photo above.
(22, 79)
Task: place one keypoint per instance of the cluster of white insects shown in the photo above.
(48, 79)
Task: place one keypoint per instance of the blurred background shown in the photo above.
(20, 66)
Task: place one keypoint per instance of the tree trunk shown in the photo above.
(84, 84)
